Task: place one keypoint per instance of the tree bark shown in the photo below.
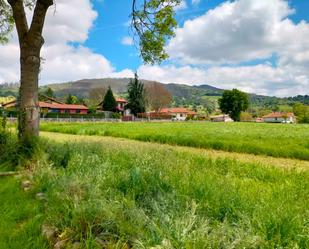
(29, 106)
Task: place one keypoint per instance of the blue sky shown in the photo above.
(258, 46)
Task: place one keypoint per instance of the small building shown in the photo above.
(120, 108)
(178, 113)
(52, 106)
(62, 108)
(121, 103)
(221, 118)
(280, 117)
(259, 120)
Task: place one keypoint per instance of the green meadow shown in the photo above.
(101, 191)
(277, 140)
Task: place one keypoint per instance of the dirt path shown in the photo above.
(285, 163)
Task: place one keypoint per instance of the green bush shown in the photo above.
(116, 115)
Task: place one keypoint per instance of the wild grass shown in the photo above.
(21, 217)
(148, 196)
(277, 140)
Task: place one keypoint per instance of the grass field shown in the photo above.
(148, 195)
(21, 217)
(278, 140)
(107, 192)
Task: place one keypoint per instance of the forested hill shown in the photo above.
(183, 94)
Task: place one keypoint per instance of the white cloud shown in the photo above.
(127, 41)
(69, 21)
(232, 32)
(243, 31)
(260, 79)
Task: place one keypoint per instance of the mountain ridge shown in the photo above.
(183, 94)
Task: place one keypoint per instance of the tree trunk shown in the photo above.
(29, 105)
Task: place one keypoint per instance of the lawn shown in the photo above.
(277, 140)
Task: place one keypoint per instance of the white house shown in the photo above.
(279, 117)
(178, 113)
(221, 118)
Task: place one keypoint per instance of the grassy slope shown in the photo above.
(290, 141)
(21, 217)
(146, 195)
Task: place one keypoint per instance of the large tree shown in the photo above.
(158, 96)
(233, 103)
(136, 96)
(152, 22)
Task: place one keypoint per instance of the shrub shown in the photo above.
(116, 115)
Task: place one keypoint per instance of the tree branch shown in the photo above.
(39, 15)
(19, 17)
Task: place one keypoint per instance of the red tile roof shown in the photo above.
(54, 106)
(62, 106)
(121, 100)
(279, 115)
(177, 110)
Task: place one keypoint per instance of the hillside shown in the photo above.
(205, 95)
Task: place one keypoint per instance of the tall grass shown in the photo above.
(278, 140)
(141, 197)
(21, 217)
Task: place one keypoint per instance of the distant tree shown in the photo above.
(71, 99)
(109, 101)
(246, 117)
(158, 96)
(136, 96)
(96, 95)
(302, 112)
(49, 93)
(233, 103)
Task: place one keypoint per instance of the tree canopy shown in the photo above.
(136, 96)
(233, 103)
(71, 100)
(302, 112)
(158, 96)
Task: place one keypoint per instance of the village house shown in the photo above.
(120, 108)
(178, 113)
(62, 108)
(280, 117)
(221, 118)
(50, 105)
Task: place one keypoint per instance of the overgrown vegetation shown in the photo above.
(280, 140)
